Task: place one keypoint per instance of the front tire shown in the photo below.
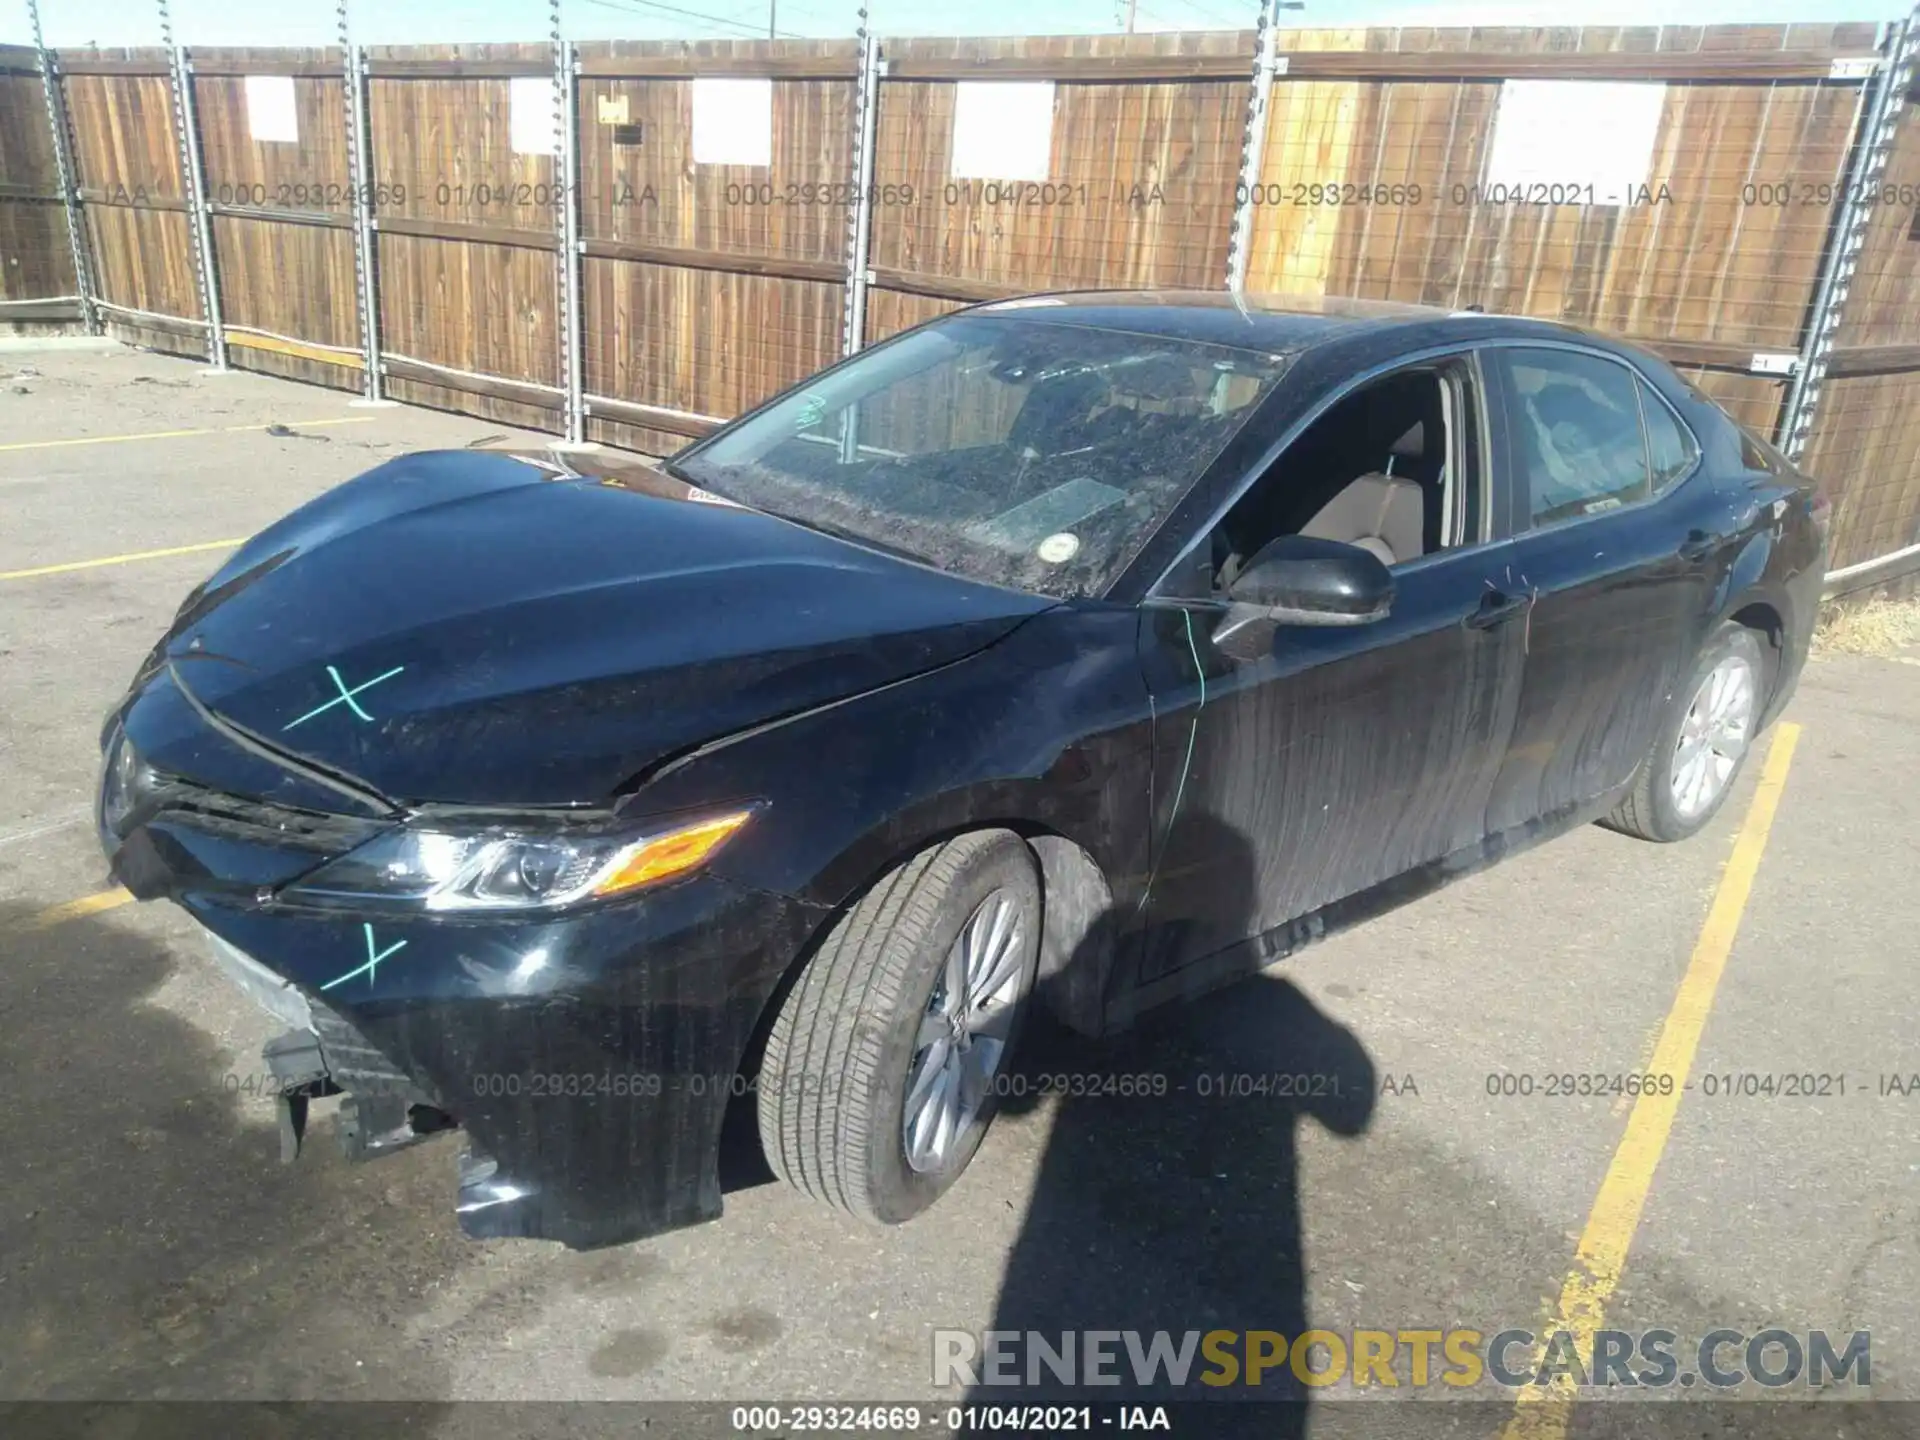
(1702, 744)
(878, 1082)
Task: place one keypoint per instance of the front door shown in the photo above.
(1337, 758)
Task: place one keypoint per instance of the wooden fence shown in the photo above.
(496, 183)
(37, 280)
(1698, 270)
(280, 216)
(709, 287)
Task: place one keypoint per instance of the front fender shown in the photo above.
(1049, 730)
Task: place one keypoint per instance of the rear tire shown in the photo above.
(1702, 744)
(876, 1006)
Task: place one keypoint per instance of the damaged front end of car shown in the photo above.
(437, 970)
(411, 797)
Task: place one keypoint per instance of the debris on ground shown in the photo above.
(284, 432)
(1879, 628)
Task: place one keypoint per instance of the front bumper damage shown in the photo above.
(589, 1058)
(381, 1108)
(591, 1086)
(323, 1055)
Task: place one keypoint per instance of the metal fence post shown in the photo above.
(1873, 143)
(58, 125)
(187, 117)
(860, 214)
(186, 134)
(1253, 147)
(360, 182)
(566, 82)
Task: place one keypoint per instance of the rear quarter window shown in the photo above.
(1757, 454)
(1672, 451)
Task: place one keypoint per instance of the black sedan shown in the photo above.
(1088, 651)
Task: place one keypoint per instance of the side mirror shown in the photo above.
(1298, 580)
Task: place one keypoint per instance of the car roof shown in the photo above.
(1253, 322)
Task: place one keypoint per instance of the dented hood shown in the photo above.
(465, 627)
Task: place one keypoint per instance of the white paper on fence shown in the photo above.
(533, 118)
(1575, 133)
(271, 114)
(1002, 130)
(732, 122)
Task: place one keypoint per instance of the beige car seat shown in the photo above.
(1382, 513)
(1379, 513)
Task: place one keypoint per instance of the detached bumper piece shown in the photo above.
(590, 1087)
(383, 1110)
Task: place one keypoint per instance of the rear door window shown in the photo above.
(1574, 433)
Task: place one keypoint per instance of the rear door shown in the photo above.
(1620, 545)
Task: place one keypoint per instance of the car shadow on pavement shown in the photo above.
(151, 1245)
(1178, 1209)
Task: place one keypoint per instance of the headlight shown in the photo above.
(124, 781)
(503, 868)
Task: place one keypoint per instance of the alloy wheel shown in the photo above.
(963, 1033)
(1714, 736)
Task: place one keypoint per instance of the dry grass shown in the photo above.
(1879, 627)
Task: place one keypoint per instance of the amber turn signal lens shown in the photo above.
(673, 853)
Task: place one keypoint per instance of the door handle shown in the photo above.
(1496, 608)
(1698, 545)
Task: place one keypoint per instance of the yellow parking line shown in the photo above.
(1543, 1412)
(182, 434)
(118, 559)
(76, 909)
